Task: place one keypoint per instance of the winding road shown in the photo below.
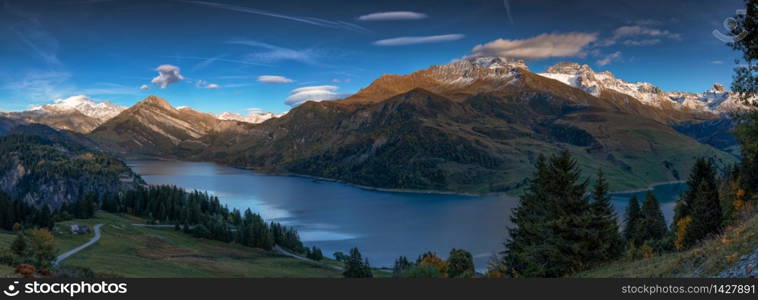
(67, 254)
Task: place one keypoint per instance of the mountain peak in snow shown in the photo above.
(465, 71)
(102, 111)
(716, 100)
(252, 117)
(584, 78)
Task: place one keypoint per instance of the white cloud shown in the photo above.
(541, 46)
(212, 86)
(144, 87)
(312, 93)
(609, 58)
(413, 40)
(718, 62)
(638, 30)
(393, 16)
(274, 79)
(639, 35)
(276, 53)
(167, 75)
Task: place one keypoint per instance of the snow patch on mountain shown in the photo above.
(716, 100)
(253, 117)
(102, 111)
(466, 71)
(584, 78)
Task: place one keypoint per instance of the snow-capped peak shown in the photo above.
(252, 117)
(584, 78)
(465, 71)
(102, 111)
(716, 100)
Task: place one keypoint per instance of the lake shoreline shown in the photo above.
(648, 188)
(391, 190)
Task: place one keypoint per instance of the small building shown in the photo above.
(79, 229)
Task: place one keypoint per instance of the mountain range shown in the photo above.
(475, 125)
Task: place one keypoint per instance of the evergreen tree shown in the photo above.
(746, 74)
(701, 203)
(401, 264)
(552, 236)
(706, 216)
(632, 221)
(608, 243)
(702, 172)
(652, 223)
(460, 264)
(20, 246)
(340, 257)
(45, 217)
(356, 266)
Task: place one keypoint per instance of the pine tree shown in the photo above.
(552, 236)
(702, 172)
(701, 203)
(652, 224)
(706, 216)
(608, 243)
(356, 266)
(20, 247)
(401, 264)
(45, 217)
(460, 264)
(632, 221)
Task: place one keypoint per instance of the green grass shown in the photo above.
(125, 250)
(710, 258)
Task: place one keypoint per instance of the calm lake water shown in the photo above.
(383, 225)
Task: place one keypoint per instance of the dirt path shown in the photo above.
(67, 254)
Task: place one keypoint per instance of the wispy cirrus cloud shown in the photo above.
(538, 47)
(275, 53)
(639, 34)
(107, 88)
(206, 62)
(306, 20)
(393, 16)
(39, 85)
(607, 59)
(413, 40)
(31, 33)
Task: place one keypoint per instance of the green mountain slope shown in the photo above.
(40, 165)
(485, 142)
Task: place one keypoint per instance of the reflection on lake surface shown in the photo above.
(336, 217)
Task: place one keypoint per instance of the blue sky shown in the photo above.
(107, 50)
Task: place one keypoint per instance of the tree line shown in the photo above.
(203, 215)
(196, 213)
